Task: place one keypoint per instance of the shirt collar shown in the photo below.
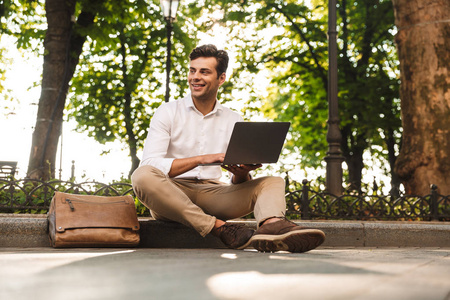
(190, 104)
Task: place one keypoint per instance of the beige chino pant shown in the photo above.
(197, 203)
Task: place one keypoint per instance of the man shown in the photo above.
(195, 130)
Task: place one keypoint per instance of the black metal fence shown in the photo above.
(31, 195)
(26, 195)
(308, 204)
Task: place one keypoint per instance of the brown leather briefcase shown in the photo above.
(92, 221)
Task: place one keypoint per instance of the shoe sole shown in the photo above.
(296, 241)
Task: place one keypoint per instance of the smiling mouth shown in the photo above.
(197, 86)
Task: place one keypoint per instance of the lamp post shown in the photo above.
(334, 157)
(169, 8)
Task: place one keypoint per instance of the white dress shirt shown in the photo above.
(179, 130)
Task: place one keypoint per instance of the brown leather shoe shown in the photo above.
(234, 236)
(284, 235)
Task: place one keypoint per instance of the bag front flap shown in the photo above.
(87, 211)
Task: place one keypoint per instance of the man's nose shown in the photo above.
(195, 75)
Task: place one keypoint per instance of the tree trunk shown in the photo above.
(355, 165)
(353, 149)
(392, 158)
(423, 42)
(62, 49)
(127, 110)
(132, 141)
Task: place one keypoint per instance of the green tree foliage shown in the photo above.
(25, 21)
(21, 26)
(289, 43)
(369, 83)
(121, 70)
(119, 81)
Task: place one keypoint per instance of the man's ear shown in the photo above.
(222, 78)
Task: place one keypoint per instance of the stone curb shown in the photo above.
(26, 230)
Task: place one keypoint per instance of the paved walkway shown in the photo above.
(325, 273)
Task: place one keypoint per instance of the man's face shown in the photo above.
(203, 80)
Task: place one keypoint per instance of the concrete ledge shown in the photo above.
(27, 230)
(23, 230)
(408, 234)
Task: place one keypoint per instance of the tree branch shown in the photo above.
(322, 72)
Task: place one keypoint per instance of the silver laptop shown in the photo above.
(255, 143)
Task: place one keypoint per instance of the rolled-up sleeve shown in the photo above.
(157, 143)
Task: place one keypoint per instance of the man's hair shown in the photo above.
(211, 51)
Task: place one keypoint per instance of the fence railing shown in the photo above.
(32, 195)
(26, 195)
(309, 204)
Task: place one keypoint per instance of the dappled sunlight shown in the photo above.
(18, 263)
(256, 285)
(228, 255)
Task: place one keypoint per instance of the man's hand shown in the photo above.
(241, 172)
(211, 158)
